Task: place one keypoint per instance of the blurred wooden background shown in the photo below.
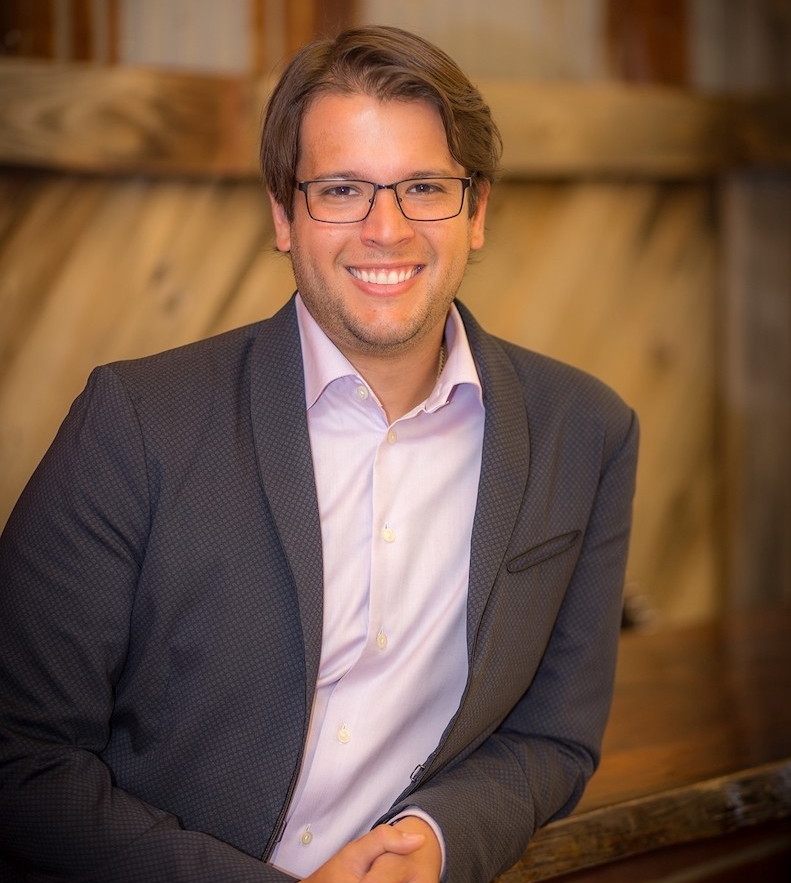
(642, 229)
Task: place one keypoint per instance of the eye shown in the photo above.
(339, 191)
(426, 187)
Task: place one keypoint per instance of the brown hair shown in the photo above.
(387, 63)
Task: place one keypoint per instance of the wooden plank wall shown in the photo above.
(242, 36)
(624, 239)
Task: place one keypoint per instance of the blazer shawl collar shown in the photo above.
(282, 444)
(504, 467)
(503, 484)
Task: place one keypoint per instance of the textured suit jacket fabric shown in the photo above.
(161, 615)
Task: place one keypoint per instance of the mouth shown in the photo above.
(385, 275)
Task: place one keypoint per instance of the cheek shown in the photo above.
(318, 243)
(458, 250)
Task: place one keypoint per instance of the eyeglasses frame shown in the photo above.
(466, 183)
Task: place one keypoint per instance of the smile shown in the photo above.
(384, 276)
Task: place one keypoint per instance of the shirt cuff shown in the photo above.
(421, 814)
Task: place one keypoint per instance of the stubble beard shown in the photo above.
(349, 332)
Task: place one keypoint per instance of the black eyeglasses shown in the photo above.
(340, 201)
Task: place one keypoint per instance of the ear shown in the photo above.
(478, 220)
(282, 225)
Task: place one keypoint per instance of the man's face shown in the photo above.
(358, 137)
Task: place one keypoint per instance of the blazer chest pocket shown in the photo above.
(543, 551)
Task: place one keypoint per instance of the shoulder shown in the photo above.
(190, 366)
(200, 374)
(559, 399)
(547, 384)
(547, 380)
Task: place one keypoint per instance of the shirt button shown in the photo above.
(362, 392)
(381, 640)
(388, 534)
(344, 735)
(306, 837)
(392, 437)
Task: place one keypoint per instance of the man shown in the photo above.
(335, 596)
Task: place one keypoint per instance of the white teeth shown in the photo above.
(383, 277)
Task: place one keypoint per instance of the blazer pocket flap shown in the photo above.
(543, 551)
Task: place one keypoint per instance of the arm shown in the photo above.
(69, 563)
(534, 766)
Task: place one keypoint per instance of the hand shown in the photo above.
(353, 863)
(421, 865)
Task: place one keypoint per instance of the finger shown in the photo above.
(387, 838)
(354, 861)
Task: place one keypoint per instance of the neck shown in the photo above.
(404, 380)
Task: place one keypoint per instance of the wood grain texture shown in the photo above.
(142, 120)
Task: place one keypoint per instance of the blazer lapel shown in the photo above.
(504, 469)
(280, 433)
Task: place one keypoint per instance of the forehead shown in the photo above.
(359, 135)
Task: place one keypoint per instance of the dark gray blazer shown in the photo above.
(161, 606)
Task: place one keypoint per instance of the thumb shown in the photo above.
(385, 838)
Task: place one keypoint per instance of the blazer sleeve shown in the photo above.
(534, 766)
(69, 560)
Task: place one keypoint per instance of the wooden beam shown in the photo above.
(755, 388)
(83, 36)
(696, 812)
(127, 120)
(141, 120)
(562, 130)
(27, 28)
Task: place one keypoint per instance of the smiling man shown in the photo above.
(335, 596)
(380, 284)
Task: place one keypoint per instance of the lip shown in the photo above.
(384, 276)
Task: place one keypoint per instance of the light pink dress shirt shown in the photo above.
(396, 503)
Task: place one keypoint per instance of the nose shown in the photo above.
(386, 222)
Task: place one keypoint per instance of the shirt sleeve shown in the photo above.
(420, 814)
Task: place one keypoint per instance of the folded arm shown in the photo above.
(535, 764)
(70, 558)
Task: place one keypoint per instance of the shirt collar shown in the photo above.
(324, 363)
